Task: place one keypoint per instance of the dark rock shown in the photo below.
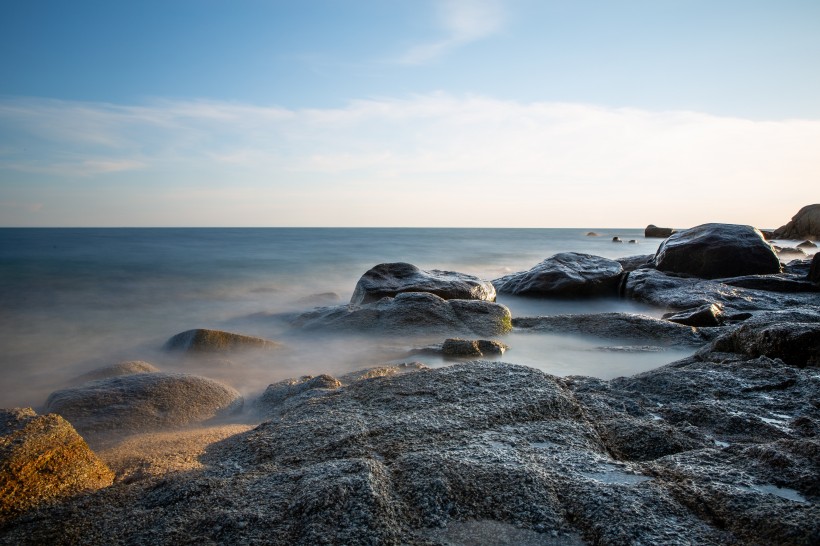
(411, 313)
(593, 234)
(631, 263)
(806, 244)
(391, 279)
(804, 225)
(42, 460)
(799, 268)
(712, 251)
(767, 234)
(617, 240)
(114, 370)
(145, 401)
(633, 241)
(215, 341)
(568, 274)
(814, 270)
(615, 326)
(323, 298)
(773, 283)
(657, 232)
(456, 347)
(706, 315)
(789, 252)
(795, 343)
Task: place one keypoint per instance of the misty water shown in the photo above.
(72, 300)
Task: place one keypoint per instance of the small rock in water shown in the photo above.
(593, 234)
(202, 340)
(456, 347)
(565, 275)
(807, 244)
(657, 232)
(617, 240)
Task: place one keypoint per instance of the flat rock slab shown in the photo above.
(411, 313)
(143, 402)
(615, 325)
(712, 251)
(391, 279)
(42, 459)
(565, 275)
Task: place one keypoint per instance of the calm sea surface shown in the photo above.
(75, 299)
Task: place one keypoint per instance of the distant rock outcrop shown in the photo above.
(712, 251)
(804, 225)
(42, 458)
(565, 275)
(391, 279)
(654, 231)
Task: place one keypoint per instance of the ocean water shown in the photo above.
(72, 300)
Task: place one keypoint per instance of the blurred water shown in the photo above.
(74, 299)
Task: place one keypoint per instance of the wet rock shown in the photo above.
(631, 263)
(773, 283)
(643, 439)
(565, 275)
(202, 340)
(814, 270)
(789, 252)
(141, 402)
(617, 240)
(795, 343)
(616, 326)
(42, 460)
(806, 244)
(712, 251)
(803, 225)
(657, 232)
(114, 370)
(455, 347)
(633, 241)
(410, 313)
(706, 315)
(391, 279)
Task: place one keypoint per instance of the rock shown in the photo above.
(42, 460)
(657, 232)
(381, 371)
(617, 240)
(391, 279)
(614, 326)
(633, 241)
(142, 402)
(706, 315)
(273, 400)
(593, 234)
(807, 244)
(565, 275)
(795, 343)
(790, 251)
(128, 367)
(768, 235)
(411, 313)
(814, 271)
(455, 347)
(712, 251)
(202, 340)
(631, 263)
(323, 298)
(773, 283)
(804, 225)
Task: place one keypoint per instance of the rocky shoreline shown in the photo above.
(720, 447)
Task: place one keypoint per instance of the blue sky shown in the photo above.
(412, 113)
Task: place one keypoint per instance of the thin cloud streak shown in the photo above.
(506, 162)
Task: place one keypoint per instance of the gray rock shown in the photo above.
(814, 271)
(43, 460)
(803, 225)
(712, 251)
(631, 263)
(806, 244)
(615, 326)
(455, 347)
(706, 315)
(202, 340)
(145, 401)
(391, 279)
(795, 343)
(410, 313)
(657, 232)
(128, 367)
(565, 275)
(275, 398)
(773, 283)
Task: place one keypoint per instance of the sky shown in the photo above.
(443, 113)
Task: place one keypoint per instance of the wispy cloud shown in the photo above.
(449, 160)
(462, 22)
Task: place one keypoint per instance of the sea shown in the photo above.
(72, 300)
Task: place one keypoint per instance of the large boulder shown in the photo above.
(712, 251)
(653, 231)
(42, 459)
(411, 313)
(390, 279)
(795, 343)
(145, 401)
(804, 225)
(814, 270)
(202, 340)
(565, 275)
(127, 367)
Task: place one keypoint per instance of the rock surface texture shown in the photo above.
(565, 275)
(42, 460)
(202, 340)
(411, 313)
(804, 225)
(146, 401)
(391, 279)
(712, 251)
